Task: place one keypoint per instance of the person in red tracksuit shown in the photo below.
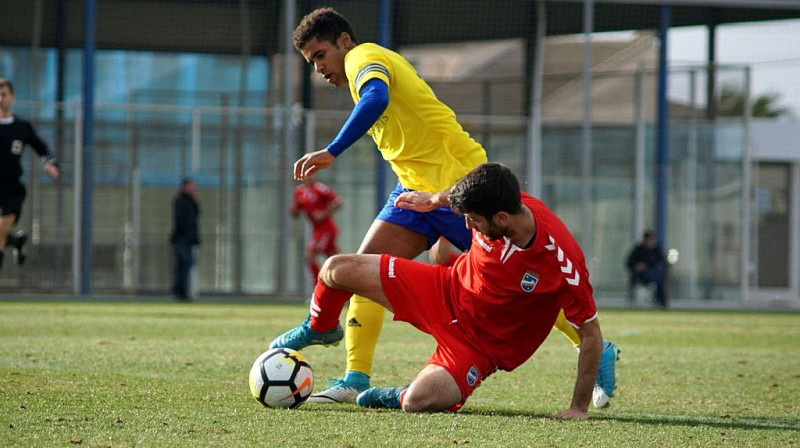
(318, 202)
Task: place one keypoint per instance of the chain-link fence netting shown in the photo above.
(214, 111)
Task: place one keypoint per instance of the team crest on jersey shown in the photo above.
(529, 281)
(472, 376)
(16, 147)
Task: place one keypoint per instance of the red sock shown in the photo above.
(326, 306)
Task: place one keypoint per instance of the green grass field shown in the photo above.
(173, 375)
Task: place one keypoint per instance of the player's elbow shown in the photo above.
(382, 102)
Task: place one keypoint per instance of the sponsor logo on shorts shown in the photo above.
(529, 281)
(391, 267)
(472, 376)
(16, 147)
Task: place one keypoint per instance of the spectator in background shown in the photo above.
(15, 133)
(184, 237)
(318, 201)
(647, 264)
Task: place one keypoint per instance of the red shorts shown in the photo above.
(419, 295)
(323, 240)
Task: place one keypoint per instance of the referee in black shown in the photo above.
(15, 133)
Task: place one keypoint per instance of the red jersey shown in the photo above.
(505, 295)
(312, 200)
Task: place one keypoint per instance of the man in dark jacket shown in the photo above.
(15, 134)
(184, 237)
(647, 264)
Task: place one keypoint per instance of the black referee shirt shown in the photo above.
(13, 138)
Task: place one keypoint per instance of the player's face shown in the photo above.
(328, 59)
(487, 228)
(6, 98)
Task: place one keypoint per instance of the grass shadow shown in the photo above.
(753, 423)
(656, 419)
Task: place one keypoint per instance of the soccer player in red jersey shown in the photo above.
(318, 202)
(491, 310)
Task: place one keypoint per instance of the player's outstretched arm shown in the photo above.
(334, 206)
(588, 361)
(374, 100)
(52, 170)
(49, 160)
(312, 162)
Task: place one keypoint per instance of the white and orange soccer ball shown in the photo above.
(281, 378)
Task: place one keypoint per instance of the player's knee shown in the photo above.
(423, 401)
(332, 268)
(414, 402)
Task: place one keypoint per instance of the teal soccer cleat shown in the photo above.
(606, 381)
(302, 336)
(381, 397)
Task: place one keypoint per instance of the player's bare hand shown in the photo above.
(419, 201)
(319, 215)
(312, 162)
(571, 414)
(52, 171)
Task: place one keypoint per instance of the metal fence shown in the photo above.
(515, 72)
(242, 167)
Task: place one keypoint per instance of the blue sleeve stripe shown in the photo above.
(370, 68)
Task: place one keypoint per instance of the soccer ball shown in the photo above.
(281, 378)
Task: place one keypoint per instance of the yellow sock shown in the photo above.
(363, 326)
(567, 330)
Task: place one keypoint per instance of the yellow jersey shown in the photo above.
(417, 134)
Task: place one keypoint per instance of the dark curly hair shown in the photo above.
(486, 190)
(6, 83)
(323, 24)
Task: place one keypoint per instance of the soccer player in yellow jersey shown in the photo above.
(427, 149)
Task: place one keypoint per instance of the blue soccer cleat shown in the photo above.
(381, 397)
(342, 390)
(606, 381)
(302, 336)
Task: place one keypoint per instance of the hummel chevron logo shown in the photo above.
(565, 263)
(567, 268)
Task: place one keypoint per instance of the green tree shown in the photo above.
(731, 104)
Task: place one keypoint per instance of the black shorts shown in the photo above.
(11, 199)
